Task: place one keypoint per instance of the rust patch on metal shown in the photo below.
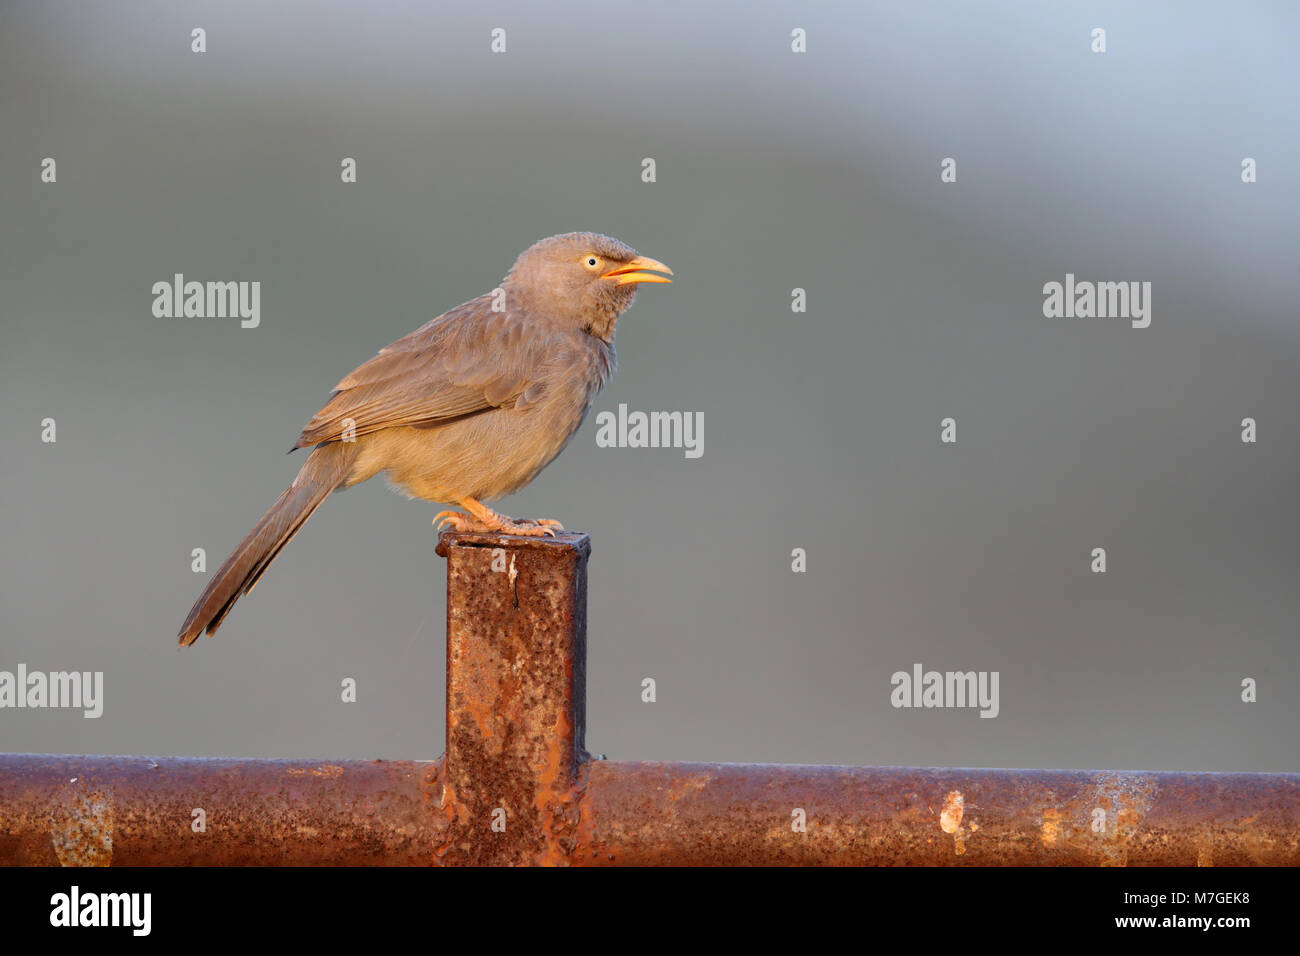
(81, 828)
(328, 770)
(1051, 829)
(1125, 799)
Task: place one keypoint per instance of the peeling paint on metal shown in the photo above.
(950, 818)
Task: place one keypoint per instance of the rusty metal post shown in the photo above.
(516, 695)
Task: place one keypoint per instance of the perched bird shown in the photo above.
(467, 408)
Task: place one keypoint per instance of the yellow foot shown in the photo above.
(491, 522)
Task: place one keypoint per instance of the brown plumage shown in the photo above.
(469, 407)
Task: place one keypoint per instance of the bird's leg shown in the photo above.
(486, 520)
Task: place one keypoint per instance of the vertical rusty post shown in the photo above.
(516, 696)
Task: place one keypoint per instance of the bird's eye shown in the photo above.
(591, 262)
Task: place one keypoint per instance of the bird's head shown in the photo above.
(582, 278)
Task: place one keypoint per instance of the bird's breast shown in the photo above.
(493, 453)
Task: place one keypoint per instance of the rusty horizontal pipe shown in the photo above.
(136, 811)
(141, 811)
(638, 814)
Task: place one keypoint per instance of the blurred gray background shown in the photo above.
(775, 170)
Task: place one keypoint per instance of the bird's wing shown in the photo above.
(465, 361)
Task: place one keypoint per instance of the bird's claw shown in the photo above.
(499, 524)
(529, 527)
(454, 521)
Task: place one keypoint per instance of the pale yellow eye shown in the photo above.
(591, 262)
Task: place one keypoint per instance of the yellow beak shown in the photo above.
(629, 272)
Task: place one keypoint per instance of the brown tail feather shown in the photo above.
(323, 472)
